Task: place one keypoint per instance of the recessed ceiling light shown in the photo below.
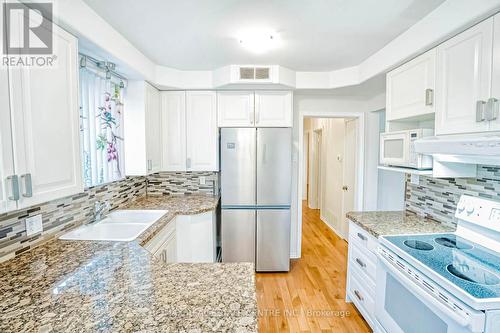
(259, 40)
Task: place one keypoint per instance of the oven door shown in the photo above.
(402, 306)
(394, 149)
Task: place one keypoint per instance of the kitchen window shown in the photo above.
(101, 122)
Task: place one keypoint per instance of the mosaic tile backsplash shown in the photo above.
(438, 198)
(171, 183)
(62, 214)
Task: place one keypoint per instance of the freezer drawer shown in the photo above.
(274, 166)
(238, 235)
(238, 174)
(273, 240)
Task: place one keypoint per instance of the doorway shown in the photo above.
(331, 165)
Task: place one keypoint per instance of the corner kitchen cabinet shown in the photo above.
(43, 158)
(463, 80)
(142, 127)
(254, 109)
(410, 88)
(190, 135)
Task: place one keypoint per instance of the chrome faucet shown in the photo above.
(99, 210)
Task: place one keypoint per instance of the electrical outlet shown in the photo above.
(34, 225)
(203, 180)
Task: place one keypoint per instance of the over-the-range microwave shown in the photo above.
(398, 149)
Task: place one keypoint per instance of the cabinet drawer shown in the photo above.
(161, 237)
(363, 239)
(365, 263)
(362, 299)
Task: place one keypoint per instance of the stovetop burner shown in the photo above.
(475, 275)
(418, 245)
(451, 241)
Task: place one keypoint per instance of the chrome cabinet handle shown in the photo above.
(360, 235)
(429, 97)
(148, 165)
(14, 183)
(358, 295)
(188, 163)
(480, 110)
(360, 263)
(251, 116)
(28, 185)
(491, 109)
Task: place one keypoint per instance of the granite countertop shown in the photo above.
(90, 286)
(396, 223)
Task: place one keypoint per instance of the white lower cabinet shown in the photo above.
(361, 272)
(187, 238)
(40, 134)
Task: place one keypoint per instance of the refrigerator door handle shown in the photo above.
(264, 150)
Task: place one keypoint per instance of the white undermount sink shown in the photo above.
(120, 225)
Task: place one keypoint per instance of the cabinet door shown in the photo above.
(410, 88)
(202, 133)
(45, 114)
(6, 157)
(235, 108)
(495, 87)
(273, 109)
(173, 117)
(153, 130)
(463, 78)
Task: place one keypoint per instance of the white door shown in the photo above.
(463, 79)
(173, 117)
(349, 173)
(495, 85)
(153, 130)
(410, 88)
(235, 108)
(202, 140)
(6, 158)
(273, 109)
(45, 115)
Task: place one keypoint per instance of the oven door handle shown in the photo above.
(428, 299)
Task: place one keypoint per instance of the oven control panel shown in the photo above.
(480, 211)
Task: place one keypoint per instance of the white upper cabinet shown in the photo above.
(463, 81)
(273, 109)
(235, 108)
(173, 110)
(201, 131)
(190, 133)
(495, 85)
(143, 131)
(6, 158)
(45, 125)
(153, 130)
(410, 88)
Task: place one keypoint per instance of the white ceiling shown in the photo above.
(317, 35)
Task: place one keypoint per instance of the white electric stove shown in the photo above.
(443, 283)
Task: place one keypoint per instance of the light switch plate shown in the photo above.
(203, 180)
(34, 225)
(415, 179)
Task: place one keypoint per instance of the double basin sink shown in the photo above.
(120, 225)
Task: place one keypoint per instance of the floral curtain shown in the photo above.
(101, 127)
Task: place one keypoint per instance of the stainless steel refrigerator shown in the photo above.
(256, 192)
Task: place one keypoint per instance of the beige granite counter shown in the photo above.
(87, 286)
(396, 223)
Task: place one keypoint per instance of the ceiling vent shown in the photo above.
(255, 73)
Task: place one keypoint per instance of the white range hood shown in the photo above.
(461, 149)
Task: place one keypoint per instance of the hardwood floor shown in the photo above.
(311, 297)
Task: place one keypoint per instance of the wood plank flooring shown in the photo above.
(311, 297)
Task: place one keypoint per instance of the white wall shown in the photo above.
(331, 103)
